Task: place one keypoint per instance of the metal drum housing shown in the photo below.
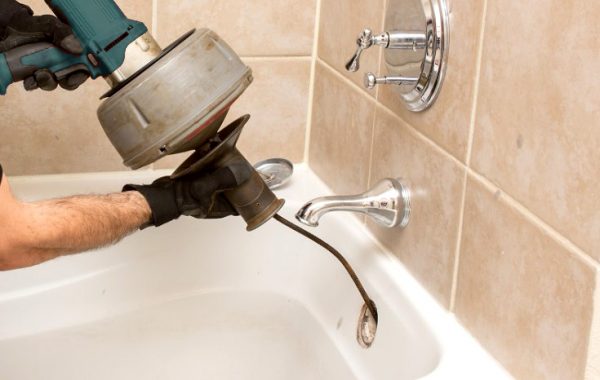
(178, 103)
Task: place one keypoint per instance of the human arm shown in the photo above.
(32, 233)
(35, 232)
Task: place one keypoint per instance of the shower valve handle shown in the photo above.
(371, 80)
(389, 40)
(364, 41)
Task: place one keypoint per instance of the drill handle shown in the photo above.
(102, 29)
(21, 62)
(99, 21)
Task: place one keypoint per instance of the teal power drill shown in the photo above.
(103, 30)
(160, 101)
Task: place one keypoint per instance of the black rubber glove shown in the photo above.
(200, 196)
(18, 26)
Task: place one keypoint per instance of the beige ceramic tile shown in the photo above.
(527, 299)
(537, 132)
(140, 10)
(39, 7)
(341, 23)
(427, 246)
(593, 362)
(252, 28)
(278, 103)
(57, 132)
(447, 122)
(340, 139)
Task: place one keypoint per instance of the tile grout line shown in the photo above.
(524, 211)
(472, 120)
(423, 137)
(354, 86)
(458, 247)
(363, 90)
(537, 221)
(476, 86)
(372, 148)
(312, 83)
(370, 98)
(381, 51)
(593, 348)
(154, 28)
(374, 125)
(155, 19)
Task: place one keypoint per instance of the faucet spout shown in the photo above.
(387, 203)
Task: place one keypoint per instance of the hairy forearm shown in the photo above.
(49, 229)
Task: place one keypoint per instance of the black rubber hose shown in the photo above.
(368, 301)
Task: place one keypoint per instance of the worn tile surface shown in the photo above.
(252, 28)
(526, 298)
(341, 132)
(134, 9)
(54, 132)
(277, 100)
(593, 363)
(427, 246)
(447, 122)
(341, 23)
(538, 129)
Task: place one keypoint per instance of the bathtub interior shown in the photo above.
(207, 299)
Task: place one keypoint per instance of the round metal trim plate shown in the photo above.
(430, 69)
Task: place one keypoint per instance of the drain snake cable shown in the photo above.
(361, 289)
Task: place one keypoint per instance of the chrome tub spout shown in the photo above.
(387, 203)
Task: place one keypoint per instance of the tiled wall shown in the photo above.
(57, 132)
(506, 213)
(506, 209)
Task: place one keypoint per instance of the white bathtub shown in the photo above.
(207, 300)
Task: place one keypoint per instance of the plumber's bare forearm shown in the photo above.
(40, 231)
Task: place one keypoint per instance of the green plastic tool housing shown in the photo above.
(103, 30)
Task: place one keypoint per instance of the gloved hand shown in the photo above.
(200, 196)
(19, 27)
